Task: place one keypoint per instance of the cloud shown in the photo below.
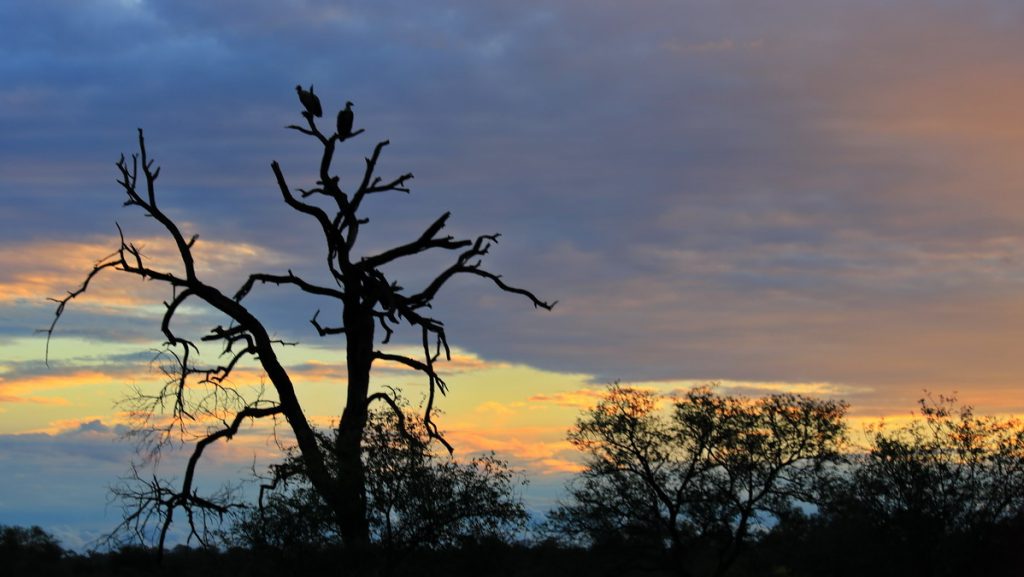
(582, 398)
(538, 450)
(17, 386)
(499, 410)
(31, 271)
(819, 192)
(72, 441)
(760, 389)
(38, 400)
(60, 480)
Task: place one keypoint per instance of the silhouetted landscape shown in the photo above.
(719, 485)
(696, 483)
(678, 289)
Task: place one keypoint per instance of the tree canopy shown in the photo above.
(939, 495)
(416, 498)
(708, 471)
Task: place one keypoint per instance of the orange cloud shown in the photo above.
(87, 424)
(543, 449)
(584, 398)
(35, 400)
(555, 466)
(497, 409)
(580, 398)
(760, 388)
(46, 382)
(32, 271)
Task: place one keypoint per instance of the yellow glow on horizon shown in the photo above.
(522, 413)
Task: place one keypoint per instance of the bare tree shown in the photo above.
(364, 302)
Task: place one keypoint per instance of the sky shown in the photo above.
(818, 196)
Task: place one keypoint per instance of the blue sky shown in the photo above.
(815, 194)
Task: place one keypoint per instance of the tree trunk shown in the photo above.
(351, 509)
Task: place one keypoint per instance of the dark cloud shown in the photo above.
(810, 191)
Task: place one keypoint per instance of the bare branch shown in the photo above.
(111, 261)
(397, 184)
(436, 383)
(330, 234)
(465, 264)
(537, 303)
(324, 331)
(343, 138)
(368, 176)
(424, 242)
(129, 178)
(407, 361)
(290, 278)
(221, 373)
(313, 130)
(162, 497)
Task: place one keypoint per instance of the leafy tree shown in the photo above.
(940, 495)
(23, 548)
(711, 470)
(416, 499)
(365, 307)
(635, 483)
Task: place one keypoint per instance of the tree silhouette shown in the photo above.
(709, 471)
(416, 498)
(935, 496)
(28, 550)
(364, 301)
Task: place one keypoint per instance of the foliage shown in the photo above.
(950, 469)
(416, 499)
(934, 496)
(711, 470)
(26, 547)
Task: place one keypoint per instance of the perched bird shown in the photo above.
(310, 101)
(345, 119)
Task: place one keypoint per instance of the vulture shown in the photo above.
(310, 101)
(345, 119)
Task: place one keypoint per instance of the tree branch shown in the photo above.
(424, 242)
(105, 263)
(465, 265)
(324, 331)
(435, 383)
(187, 498)
(290, 278)
(372, 184)
(129, 179)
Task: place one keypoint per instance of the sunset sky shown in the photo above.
(818, 196)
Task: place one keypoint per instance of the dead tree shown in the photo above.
(367, 309)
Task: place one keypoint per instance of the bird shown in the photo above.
(310, 101)
(345, 119)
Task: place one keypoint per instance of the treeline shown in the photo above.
(702, 484)
(726, 485)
